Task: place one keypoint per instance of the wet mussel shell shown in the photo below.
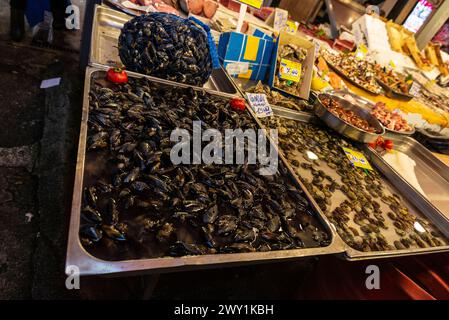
(166, 46)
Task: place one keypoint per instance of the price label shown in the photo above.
(361, 52)
(357, 159)
(259, 104)
(253, 3)
(317, 47)
(290, 70)
(291, 26)
(237, 67)
(414, 89)
(280, 19)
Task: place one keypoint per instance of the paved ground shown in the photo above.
(28, 239)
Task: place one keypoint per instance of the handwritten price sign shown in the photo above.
(259, 104)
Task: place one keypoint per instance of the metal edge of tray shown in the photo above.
(433, 138)
(90, 265)
(354, 255)
(219, 79)
(239, 83)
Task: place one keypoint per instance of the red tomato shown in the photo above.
(238, 104)
(388, 144)
(117, 75)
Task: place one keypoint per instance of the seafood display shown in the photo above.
(277, 99)
(295, 54)
(348, 116)
(390, 120)
(366, 210)
(166, 46)
(394, 80)
(434, 101)
(138, 204)
(360, 72)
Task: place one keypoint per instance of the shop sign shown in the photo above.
(357, 159)
(259, 104)
(252, 3)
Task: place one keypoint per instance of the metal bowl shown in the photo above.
(393, 94)
(368, 105)
(344, 128)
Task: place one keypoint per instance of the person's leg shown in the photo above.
(58, 9)
(17, 19)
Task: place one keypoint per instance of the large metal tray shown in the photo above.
(106, 29)
(90, 265)
(431, 173)
(417, 204)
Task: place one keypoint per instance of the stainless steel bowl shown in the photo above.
(368, 105)
(344, 128)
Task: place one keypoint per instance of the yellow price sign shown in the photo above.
(291, 26)
(253, 3)
(361, 52)
(290, 70)
(357, 159)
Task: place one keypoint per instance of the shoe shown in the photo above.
(17, 31)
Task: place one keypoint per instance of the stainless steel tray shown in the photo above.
(106, 29)
(416, 204)
(90, 265)
(431, 173)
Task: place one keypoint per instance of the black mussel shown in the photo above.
(193, 206)
(113, 233)
(245, 235)
(226, 224)
(132, 176)
(211, 214)
(140, 187)
(98, 140)
(181, 248)
(91, 232)
(90, 215)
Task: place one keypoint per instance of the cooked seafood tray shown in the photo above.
(372, 216)
(106, 29)
(135, 210)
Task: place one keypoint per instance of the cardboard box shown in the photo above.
(307, 65)
(254, 50)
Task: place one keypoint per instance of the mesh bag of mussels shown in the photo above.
(166, 46)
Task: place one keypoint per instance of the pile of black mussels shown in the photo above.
(166, 46)
(138, 204)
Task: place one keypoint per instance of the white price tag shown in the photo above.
(317, 48)
(237, 67)
(259, 104)
(414, 89)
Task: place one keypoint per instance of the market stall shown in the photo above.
(350, 179)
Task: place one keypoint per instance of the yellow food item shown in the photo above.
(318, 84)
